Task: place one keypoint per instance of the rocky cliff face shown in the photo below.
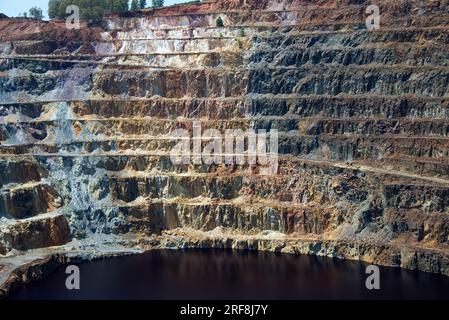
(363, 120)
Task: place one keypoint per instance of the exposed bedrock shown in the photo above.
(29, 200)
(363, 119)
(46, 231)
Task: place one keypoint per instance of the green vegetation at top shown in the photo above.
(34, 12)
(134, 5)
(157, 3)
(94, 10)
(90, 10)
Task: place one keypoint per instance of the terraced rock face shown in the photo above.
(363, 120)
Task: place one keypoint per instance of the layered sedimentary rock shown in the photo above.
(362, 115)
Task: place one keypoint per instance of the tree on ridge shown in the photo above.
(157, 3)
(142, 4)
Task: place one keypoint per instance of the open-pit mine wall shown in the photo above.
(362, 116)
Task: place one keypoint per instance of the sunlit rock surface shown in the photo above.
(363, 116)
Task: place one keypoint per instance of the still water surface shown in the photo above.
(215, 274)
